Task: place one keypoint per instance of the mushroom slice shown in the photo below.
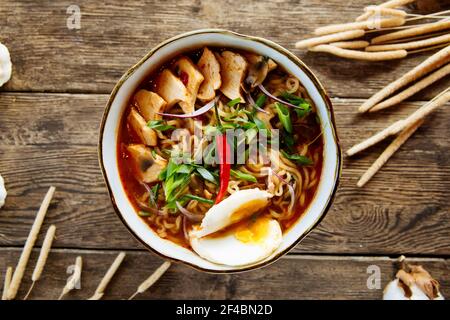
(146, 168)
(149, 104)
(171, 88)
(139, 125)
(260, 66)
(192, 78)
(233, 68)
(210, 68)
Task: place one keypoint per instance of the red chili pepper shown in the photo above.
(224, 153)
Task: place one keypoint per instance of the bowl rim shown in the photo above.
(296, 61)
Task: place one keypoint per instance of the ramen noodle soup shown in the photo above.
(221, 152)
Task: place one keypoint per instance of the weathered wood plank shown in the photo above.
(293, 277)
(47, 56)
(51, 139)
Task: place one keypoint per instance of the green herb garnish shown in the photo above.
(232, 126)
(219, 122)
(175, 185)
(144, 214)
(175, 178)
(234, 102)
(249, 125)
(285, 116)
(199, 199)
(242, 175)
(304, 107)
(261, 100)
(154, 191)
(303, 160)
(184, 168)
(159, 125)
(206, 174)
(250, 134)
(210, 130)
(292, 98)
(287, 139)
(260, 124)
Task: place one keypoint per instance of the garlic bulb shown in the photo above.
(2, 192)
(5, 65)
(413, 283)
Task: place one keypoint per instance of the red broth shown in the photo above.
(134, 189)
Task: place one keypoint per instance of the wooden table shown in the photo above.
(50, 113)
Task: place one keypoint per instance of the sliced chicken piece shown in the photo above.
(210, 68)
(171, 88)
(146, 168)
(272, 64)
(139, 125)
(149, 104)
(233, 68)
(192, 78)
(259, 67)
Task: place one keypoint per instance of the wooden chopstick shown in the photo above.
(144, 286)
(431, 63)
(100, 291)
(74, 280)
(43, 255)
(7, 282)
(400, 125)
(388, 152)
(410, 45)
(419, 30)
(360, 55)
(25, 255)
(418, 86)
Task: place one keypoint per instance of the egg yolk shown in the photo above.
(247, 209)
(253, 231)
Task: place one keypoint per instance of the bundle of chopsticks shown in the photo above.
(391, 33)
(13, 278)
(383, 32)
(404, 128)
(432, 69)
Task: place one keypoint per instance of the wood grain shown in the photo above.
(292, 277)
(50, 139)
(50, 114)
(48, 57)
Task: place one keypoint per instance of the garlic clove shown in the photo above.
(5, 65)
(394, 291)
(412, 282)
(3, 192)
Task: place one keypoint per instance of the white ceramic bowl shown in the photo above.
(155, 58)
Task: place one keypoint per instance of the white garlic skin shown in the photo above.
(2, 192)
(5, 65)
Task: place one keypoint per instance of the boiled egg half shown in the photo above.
(231, 233)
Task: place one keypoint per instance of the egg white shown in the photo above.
(228, 250)
(221, 215)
